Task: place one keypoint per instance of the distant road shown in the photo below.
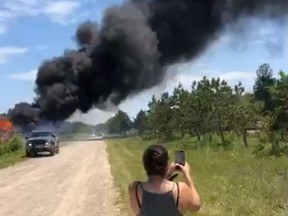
(76, 182)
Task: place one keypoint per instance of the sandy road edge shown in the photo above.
(118, 202)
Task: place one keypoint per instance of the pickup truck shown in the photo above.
(42, 141)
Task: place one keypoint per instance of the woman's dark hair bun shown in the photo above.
(155, 160)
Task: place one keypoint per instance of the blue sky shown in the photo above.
(34, 30)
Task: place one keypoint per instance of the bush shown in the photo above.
(11, 145)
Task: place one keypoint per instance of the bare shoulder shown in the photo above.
(182, 185)
(132, 185)
(132, 197)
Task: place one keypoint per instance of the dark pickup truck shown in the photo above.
(42, 141)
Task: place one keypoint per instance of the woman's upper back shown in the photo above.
(157, 204)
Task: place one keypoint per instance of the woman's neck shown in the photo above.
(156, 179)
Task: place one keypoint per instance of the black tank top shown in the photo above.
(154, 204)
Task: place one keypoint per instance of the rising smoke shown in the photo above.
(130, 52)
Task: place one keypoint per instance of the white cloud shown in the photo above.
(61, 7)
(237, 75)
(60, 11)
(42, 47)
(251, 34)
(94, 116)
(8, 51)
(26, 76)
(232, 77)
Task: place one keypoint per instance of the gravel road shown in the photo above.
(76, 182)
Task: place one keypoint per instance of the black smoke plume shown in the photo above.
(130, 52)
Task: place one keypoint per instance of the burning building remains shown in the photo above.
(130, 52)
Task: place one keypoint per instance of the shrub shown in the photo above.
(11, 145)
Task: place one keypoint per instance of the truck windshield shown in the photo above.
(40, 134)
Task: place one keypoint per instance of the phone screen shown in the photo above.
(180, 157)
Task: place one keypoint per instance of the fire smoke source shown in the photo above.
(131, 51)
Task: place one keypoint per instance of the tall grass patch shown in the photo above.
(11, 151)
(230, 182)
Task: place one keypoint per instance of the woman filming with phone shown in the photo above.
(159, 196)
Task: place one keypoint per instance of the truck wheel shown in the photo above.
(52, 153)
(34, 154)
(31, 154)
(28, 154)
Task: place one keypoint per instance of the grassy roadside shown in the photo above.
(11, 151)
(230, 182)
(12, 158)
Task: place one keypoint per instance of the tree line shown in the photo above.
(212, 107)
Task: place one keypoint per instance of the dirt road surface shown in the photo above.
(76, 182)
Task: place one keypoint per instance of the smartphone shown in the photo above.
(180, 157)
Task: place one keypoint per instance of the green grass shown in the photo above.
(11, 151)
(232, 183)
(9, 159)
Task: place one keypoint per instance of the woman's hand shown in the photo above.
(185, 169)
